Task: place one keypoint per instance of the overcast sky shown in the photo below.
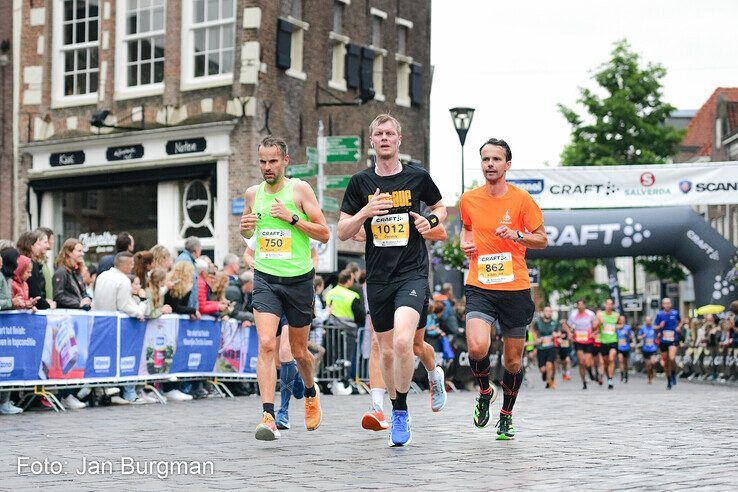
(515, 60)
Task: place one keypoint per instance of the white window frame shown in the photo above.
(122, 90)
(403, 80)
(718, 132)
(379, 54)
(297, 48)
(189, 81)
(338, 66)
(58, 99)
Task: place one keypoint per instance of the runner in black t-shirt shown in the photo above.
(386, 201)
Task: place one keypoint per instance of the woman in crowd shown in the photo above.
(219, 285)
(19, 284)
(155, 292)
(8, 264)
(35, 244)
(143, 262)
(162, 257)
(6, 303)
(181, 280)
(69, 288)
(206, 273)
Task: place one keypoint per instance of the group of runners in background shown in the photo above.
(601, 339)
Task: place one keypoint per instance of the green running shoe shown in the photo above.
(505, 429)
(481, 410)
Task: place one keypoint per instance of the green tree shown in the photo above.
(572, 279)
(625, 118)
(623, 123)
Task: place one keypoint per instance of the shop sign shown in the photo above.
(102, 243)
(71, 158)
(124, 152)
(186, 146)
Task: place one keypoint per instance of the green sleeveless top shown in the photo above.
(608, 330)
(281, 250)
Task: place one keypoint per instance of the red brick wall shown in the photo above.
(288, 97)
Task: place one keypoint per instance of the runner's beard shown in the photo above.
(272, 180)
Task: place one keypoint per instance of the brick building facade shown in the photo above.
(7, 134)
(197, 84)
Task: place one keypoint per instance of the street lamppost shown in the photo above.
(462, 121)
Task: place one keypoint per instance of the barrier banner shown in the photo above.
(71, 346)
(656, 185)
(62, 346)
(197, 346)
(22, 338)
(238, 350)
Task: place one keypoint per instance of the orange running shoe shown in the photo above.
(313, 414)
(567, 377)
(267, 429)
(374, 420)
(552, 385)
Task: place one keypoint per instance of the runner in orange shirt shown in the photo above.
(500, 222)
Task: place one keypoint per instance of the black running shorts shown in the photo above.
(384, 299)
(564, 352)
(546, 355)
(587, 348)
(606, 347)
(512, 308)
(294, 300)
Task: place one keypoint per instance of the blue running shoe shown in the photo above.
(400, 435)
(298, 387)
(283, 419)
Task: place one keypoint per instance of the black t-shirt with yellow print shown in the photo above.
(395, 250)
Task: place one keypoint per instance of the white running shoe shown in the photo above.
(176, 395)
(437, 383)
(72, 403)
(112, 391)
(117, 400)
(8, 408)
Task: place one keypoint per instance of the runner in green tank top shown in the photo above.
(284, 214)
(609, 338)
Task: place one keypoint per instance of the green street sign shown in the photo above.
(342, 149)
(330, 204)
(312, 155)
(339, 182)
(302, 171)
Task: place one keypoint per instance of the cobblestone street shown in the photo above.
(634, 437)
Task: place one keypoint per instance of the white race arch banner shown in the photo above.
(655, 185)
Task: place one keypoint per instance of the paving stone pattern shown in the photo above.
(634, 437)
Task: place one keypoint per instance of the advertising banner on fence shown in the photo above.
(656, 185)
(63, 346)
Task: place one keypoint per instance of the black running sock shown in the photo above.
(510, 386)
(480, 370)
(310, 392)
(400, 403)
(392, 402)
(591, 374)
(268, 408)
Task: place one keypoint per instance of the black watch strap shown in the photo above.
(295, 218)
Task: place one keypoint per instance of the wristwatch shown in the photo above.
(520, 236)
(295, 218)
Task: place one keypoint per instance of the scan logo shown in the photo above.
(685, 186)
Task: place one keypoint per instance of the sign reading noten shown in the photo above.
(186, 146)
(71, 158)
(342, 150)
(124, 152)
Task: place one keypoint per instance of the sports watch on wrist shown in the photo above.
(520, 236)
(295, 218)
